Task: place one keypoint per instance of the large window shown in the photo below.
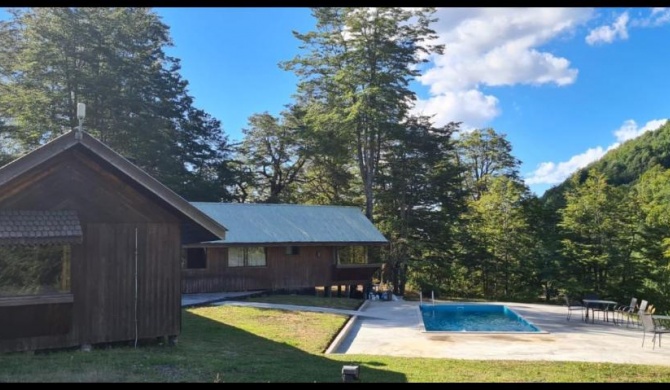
(34, 269)
(246, 256)
(196, 258)
(352, 255)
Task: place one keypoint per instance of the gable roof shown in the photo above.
(27, 227)
(256, 223)
(82, 139)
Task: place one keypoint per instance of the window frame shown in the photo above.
(62, 283)
(351, 248)
(245, 260)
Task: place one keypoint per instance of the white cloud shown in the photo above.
(494, 47)
(607, 34)
(552, 173)
(472, 107)
(629, 129)
(658, 17)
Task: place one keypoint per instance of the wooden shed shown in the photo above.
(90, 248)
(283, 247)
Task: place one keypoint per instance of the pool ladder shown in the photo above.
(432, 297)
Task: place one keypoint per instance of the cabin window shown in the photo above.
(246, 256)
(196, 258)
(352, 255)
(256, 257)
(292, 250)
(34, 269)
(235, 257)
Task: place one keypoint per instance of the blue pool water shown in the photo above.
(473, 318)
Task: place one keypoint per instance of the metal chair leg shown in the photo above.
(653, 342)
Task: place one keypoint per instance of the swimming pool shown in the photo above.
(473, 318)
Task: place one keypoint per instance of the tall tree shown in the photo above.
(113, 60)
(499, 221)
(650, 275)
(419, 181)
(545, 253)
(273, 152)
(598, 235)
(355, 75)
(485, 154)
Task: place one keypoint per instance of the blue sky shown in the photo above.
(564, 84)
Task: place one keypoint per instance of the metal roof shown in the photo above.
(250, 223)
(39, 227)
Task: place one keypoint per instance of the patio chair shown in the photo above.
(573, 306)
(648, 326)
(640, 310)
(626, 312)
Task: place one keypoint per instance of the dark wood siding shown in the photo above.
(110, 208)
(312, 266)
(35, 319)
(302, 270)
(282, 271)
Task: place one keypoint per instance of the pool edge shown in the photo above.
(475, 333)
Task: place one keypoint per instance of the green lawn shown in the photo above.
(244, 344)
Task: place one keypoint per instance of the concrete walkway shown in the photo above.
(188, 300)
(300, 308)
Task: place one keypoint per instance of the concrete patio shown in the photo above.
(394, 328)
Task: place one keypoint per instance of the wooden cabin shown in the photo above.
(283, 247)
(90, 248)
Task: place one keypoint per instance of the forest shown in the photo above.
(460, 219)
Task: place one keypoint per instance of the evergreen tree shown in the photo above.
(113, 60)
(354, 77)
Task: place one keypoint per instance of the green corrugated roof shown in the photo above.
(250, 223)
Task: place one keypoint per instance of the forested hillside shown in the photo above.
(624, 164)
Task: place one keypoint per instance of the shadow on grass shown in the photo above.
(235, 355)
(207, 351)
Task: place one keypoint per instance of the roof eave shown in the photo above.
(293, 243)
(157, 188)
(66, 141)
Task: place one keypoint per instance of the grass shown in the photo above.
(244, 344)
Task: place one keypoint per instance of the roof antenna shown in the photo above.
(81, 113)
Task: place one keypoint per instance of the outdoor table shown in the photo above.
(593, 303)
